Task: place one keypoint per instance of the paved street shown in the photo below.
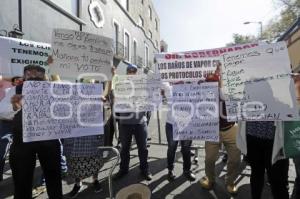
(160, 186)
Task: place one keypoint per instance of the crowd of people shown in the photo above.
(256, 140)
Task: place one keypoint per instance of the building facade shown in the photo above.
(292, 38)
(133, 24)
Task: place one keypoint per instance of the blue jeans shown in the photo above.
(297, 180)
(5, 137)
(172, 147)
(140, 133)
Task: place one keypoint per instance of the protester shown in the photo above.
(23, 155)
(228, 131)
(172, 144)
(133, 124)
(296, 192)
(84, 160)
(40, 187)
(109, 128)
(262, 142)
(6, 122)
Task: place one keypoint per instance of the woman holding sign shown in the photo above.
(84, 160)
(23, 155)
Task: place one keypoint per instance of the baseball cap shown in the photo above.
(131, 67)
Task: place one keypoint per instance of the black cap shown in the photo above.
(34, 67)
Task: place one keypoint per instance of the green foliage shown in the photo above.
(242, 39)
(276, 26)
(287, 17)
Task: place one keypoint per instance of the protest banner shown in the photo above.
(15, 54)
(291, 136)
(192, 65)
(257, 84)
(78, 54)
(195, 111)
(136, 93)
(55, 110)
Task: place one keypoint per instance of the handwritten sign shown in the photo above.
(61, 110)
(195, 112)
(192, 65)
(78, 54)
(15, 54)
(258, 85)
(136, 93)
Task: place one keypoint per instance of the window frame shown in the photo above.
(129, 36)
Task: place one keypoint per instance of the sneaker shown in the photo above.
(147, 175)
(231, 189)
(75, 191)
(189, 175)
(97, 186)
(171, 176)
(205, 183)
(38, 191)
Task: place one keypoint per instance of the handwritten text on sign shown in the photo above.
(192, 65)
(258, 85)
(195, 112)
(17, 53)
(61, 110)
(76, 53)
(135, 93)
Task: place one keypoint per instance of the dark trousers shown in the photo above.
(22, 161)
(296, 191)
(260, 159)
(109, 131)
(172, 146)
(140, 133)
(5, 135)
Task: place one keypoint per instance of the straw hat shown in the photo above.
(134, 191)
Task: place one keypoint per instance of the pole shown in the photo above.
(113, 149)
(158, 125)
(261, 30)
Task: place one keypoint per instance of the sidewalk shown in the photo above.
(160, 186)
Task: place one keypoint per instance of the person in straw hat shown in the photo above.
(134, 191)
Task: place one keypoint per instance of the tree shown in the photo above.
(277, 25)
(242, 39)
(287, 17)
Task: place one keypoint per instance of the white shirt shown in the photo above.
(6, 108)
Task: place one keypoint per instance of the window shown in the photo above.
(127, 46)
(142, 1)
(150, 34)
(69, 5)
(150, 12)
(141, 21)
(134, 52)
(125, 4)
(146, 55)
(116, 36)
(156, 44)
(156, 24)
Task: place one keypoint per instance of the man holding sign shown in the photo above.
(133, 123)
(228, 131)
